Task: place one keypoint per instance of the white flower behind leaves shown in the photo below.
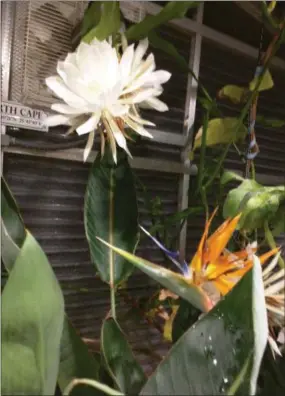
(274, 288)
(98, 88)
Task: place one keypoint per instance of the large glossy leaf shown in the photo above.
(12, 227)
(32, 322)
(221, 131)
(172, 10)
(109, 22)
(91, 17)
(127, 373)
(186, 316)
(170, 280)
(9, 249)
(111, 213)
(76, 362)
(227, 342)
(11, 216)
(160, 43)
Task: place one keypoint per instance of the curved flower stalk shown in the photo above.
(100, 88)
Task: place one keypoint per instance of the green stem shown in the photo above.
(113, 301)
(218, 167)
(94, 384)
(205, 202)
(203, 150)
(271, 242)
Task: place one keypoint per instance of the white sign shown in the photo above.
(20, 116)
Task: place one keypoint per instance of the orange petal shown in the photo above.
(264, 257)
(197, 261)
(223, 284)
(214, 271)
(219, 240)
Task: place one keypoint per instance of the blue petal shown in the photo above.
(160, 245)
(172, 255)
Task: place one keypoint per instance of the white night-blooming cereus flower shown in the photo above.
(101, 88)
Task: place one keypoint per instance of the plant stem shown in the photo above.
(205, 202)
(94, 384)
(271, 242)
(203, 150)
(219, 164)
(113, 301)
(269, 55)
(111, 257)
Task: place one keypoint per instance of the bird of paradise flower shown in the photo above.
(213, 271)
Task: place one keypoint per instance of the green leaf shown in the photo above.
(91, 17)
(172, 10)
(209, 357)
(12, 227)
(11, 215)
(111, 213)
(229, 176)
(109, 22)
(9, 249)
(76, 361)
(120, 360)
(271, 122)
(278, 222)
(261, 206)
(186, 316)
(32, 322)
(257, 204)
(159, 43)
(234, 93)
(266, 82)
(170, 280)
(236, 195)
(221, 131)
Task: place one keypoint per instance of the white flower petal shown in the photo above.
(118, 110)
(57, 120)
(273, 346)
(141, 96)
(67, 71)
(126, 62)
(111, 138)
(118, 135)
(271, 265)
(140, 120)
(275, 288)
(88, 146)
(89, 125)
(137, 128)
(281, 336)
(159, 77)
(57, 85)
(156, 104)
(139, 53)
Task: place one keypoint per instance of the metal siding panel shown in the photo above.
(50, 195)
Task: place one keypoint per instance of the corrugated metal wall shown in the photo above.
(50, 195)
